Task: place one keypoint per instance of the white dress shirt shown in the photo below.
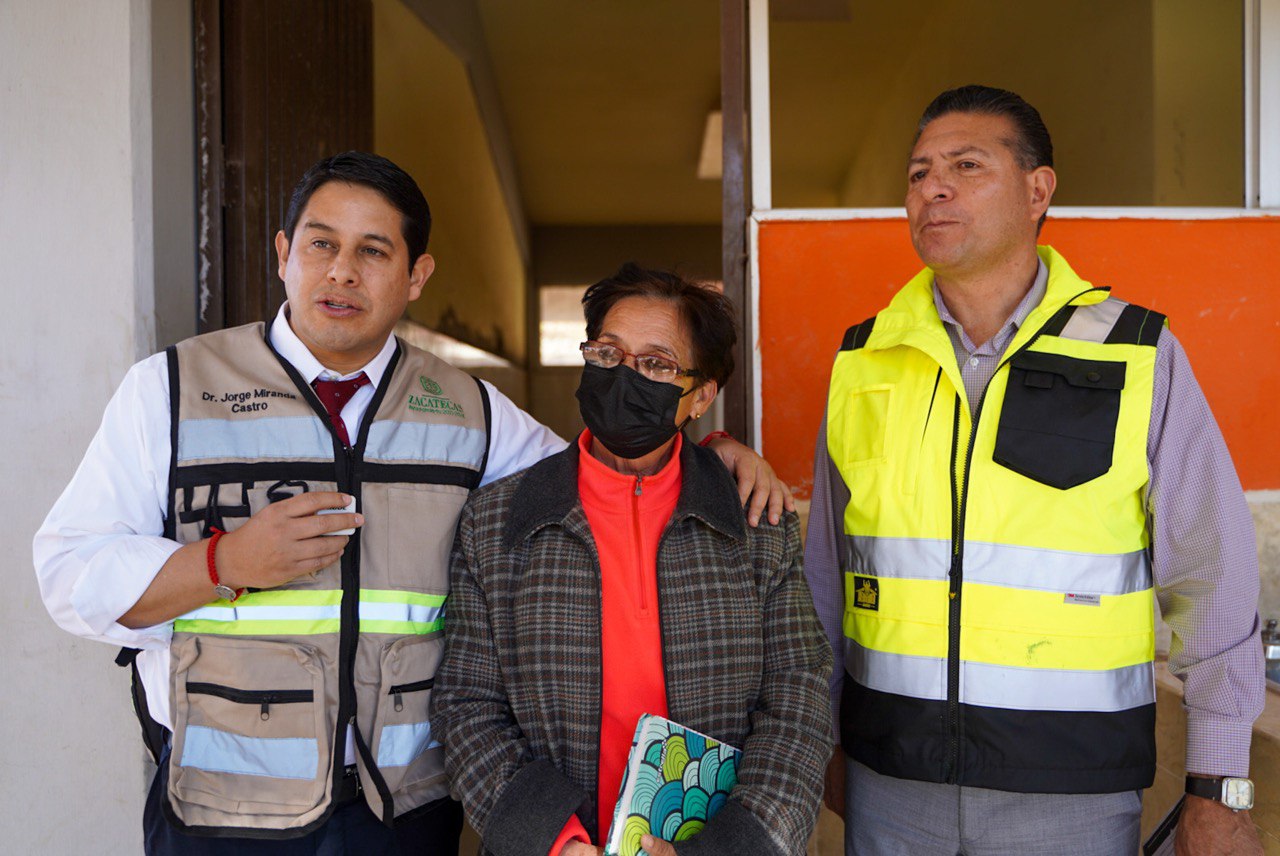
(100, 546)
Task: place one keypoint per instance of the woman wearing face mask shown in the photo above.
(618, 578)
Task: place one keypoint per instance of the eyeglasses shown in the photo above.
(652, 366)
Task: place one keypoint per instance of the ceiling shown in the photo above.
(605, 101)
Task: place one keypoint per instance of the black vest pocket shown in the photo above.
(1058, 422)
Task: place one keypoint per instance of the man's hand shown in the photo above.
(579, 848)
(756, 480)
(282, 541)
(1209, 828)
(285, 540)
(833, 783)
(656, 846)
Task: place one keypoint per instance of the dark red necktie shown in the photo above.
(334, 394)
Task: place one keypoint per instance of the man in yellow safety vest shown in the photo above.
(1013, 467)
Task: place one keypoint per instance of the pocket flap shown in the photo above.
(1088, 374)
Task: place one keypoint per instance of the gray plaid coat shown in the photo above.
(517, 697)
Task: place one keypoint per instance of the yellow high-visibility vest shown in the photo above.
(998, 612)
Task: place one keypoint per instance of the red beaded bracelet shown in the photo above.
(714, 435)
(219, 589)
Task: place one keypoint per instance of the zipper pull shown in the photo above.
(265, 713)
(638, 478)
(399, 702)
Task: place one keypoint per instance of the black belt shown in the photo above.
(349, 789)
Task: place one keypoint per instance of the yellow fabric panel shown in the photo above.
(910, 618)
(891, 451)
(1034, 629)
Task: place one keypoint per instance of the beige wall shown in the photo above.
(991, 41)
(1143, 97)
(1198, 133)
(96, 181)
(426, 120)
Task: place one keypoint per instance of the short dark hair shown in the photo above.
(1033, 148)
(377, 173)
(706, 312)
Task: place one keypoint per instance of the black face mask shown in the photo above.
(630, 414)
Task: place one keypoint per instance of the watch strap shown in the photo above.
(1209, 787)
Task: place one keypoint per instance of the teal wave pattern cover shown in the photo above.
(676, 779)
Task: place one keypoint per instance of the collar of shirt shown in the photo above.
(996, 344)
(289, 346)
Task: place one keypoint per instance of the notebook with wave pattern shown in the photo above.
(676, 779)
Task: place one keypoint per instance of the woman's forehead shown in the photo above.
(645, 325)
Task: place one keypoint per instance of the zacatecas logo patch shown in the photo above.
(433, 400)
(866, 593)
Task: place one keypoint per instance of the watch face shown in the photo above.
(1237, 794)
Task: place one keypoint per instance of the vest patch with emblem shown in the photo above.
(434, 400)
(866, 593)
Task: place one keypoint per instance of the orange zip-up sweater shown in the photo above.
(627, 515)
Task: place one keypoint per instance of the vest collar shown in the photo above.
(912, 318)
(548, 496)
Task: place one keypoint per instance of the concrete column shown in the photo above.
(77, 229)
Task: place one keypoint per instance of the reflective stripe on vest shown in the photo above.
(1009, 565)
(304, 438)
(274, 757)
(1001, 686)
(401, 744)
(294, 612)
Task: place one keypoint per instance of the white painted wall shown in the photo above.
(77, 233)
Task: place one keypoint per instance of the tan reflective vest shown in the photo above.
(262, 689)
(998, 613)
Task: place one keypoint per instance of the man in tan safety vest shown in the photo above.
(1013, 467)
(266, 514)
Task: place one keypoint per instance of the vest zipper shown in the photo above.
(960, 502)
(349, 624)
(956, 576)
(263, 698)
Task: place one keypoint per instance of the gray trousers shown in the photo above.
(885, 816)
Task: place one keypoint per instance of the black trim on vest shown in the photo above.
(206, 474)
(1136, 326)
(419, 474)
(1091, 752)
(171, 357)
(488, 428)
(1055, 325)
(350, 635)
(375, 403)
(387, 816)
(856, 336)
(153, 733)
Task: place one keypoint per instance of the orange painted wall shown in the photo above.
(1217, 280)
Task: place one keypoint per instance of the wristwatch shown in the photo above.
(1236, 794)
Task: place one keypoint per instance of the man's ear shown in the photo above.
(1043, 181)
(282, 253)
(419, 274)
